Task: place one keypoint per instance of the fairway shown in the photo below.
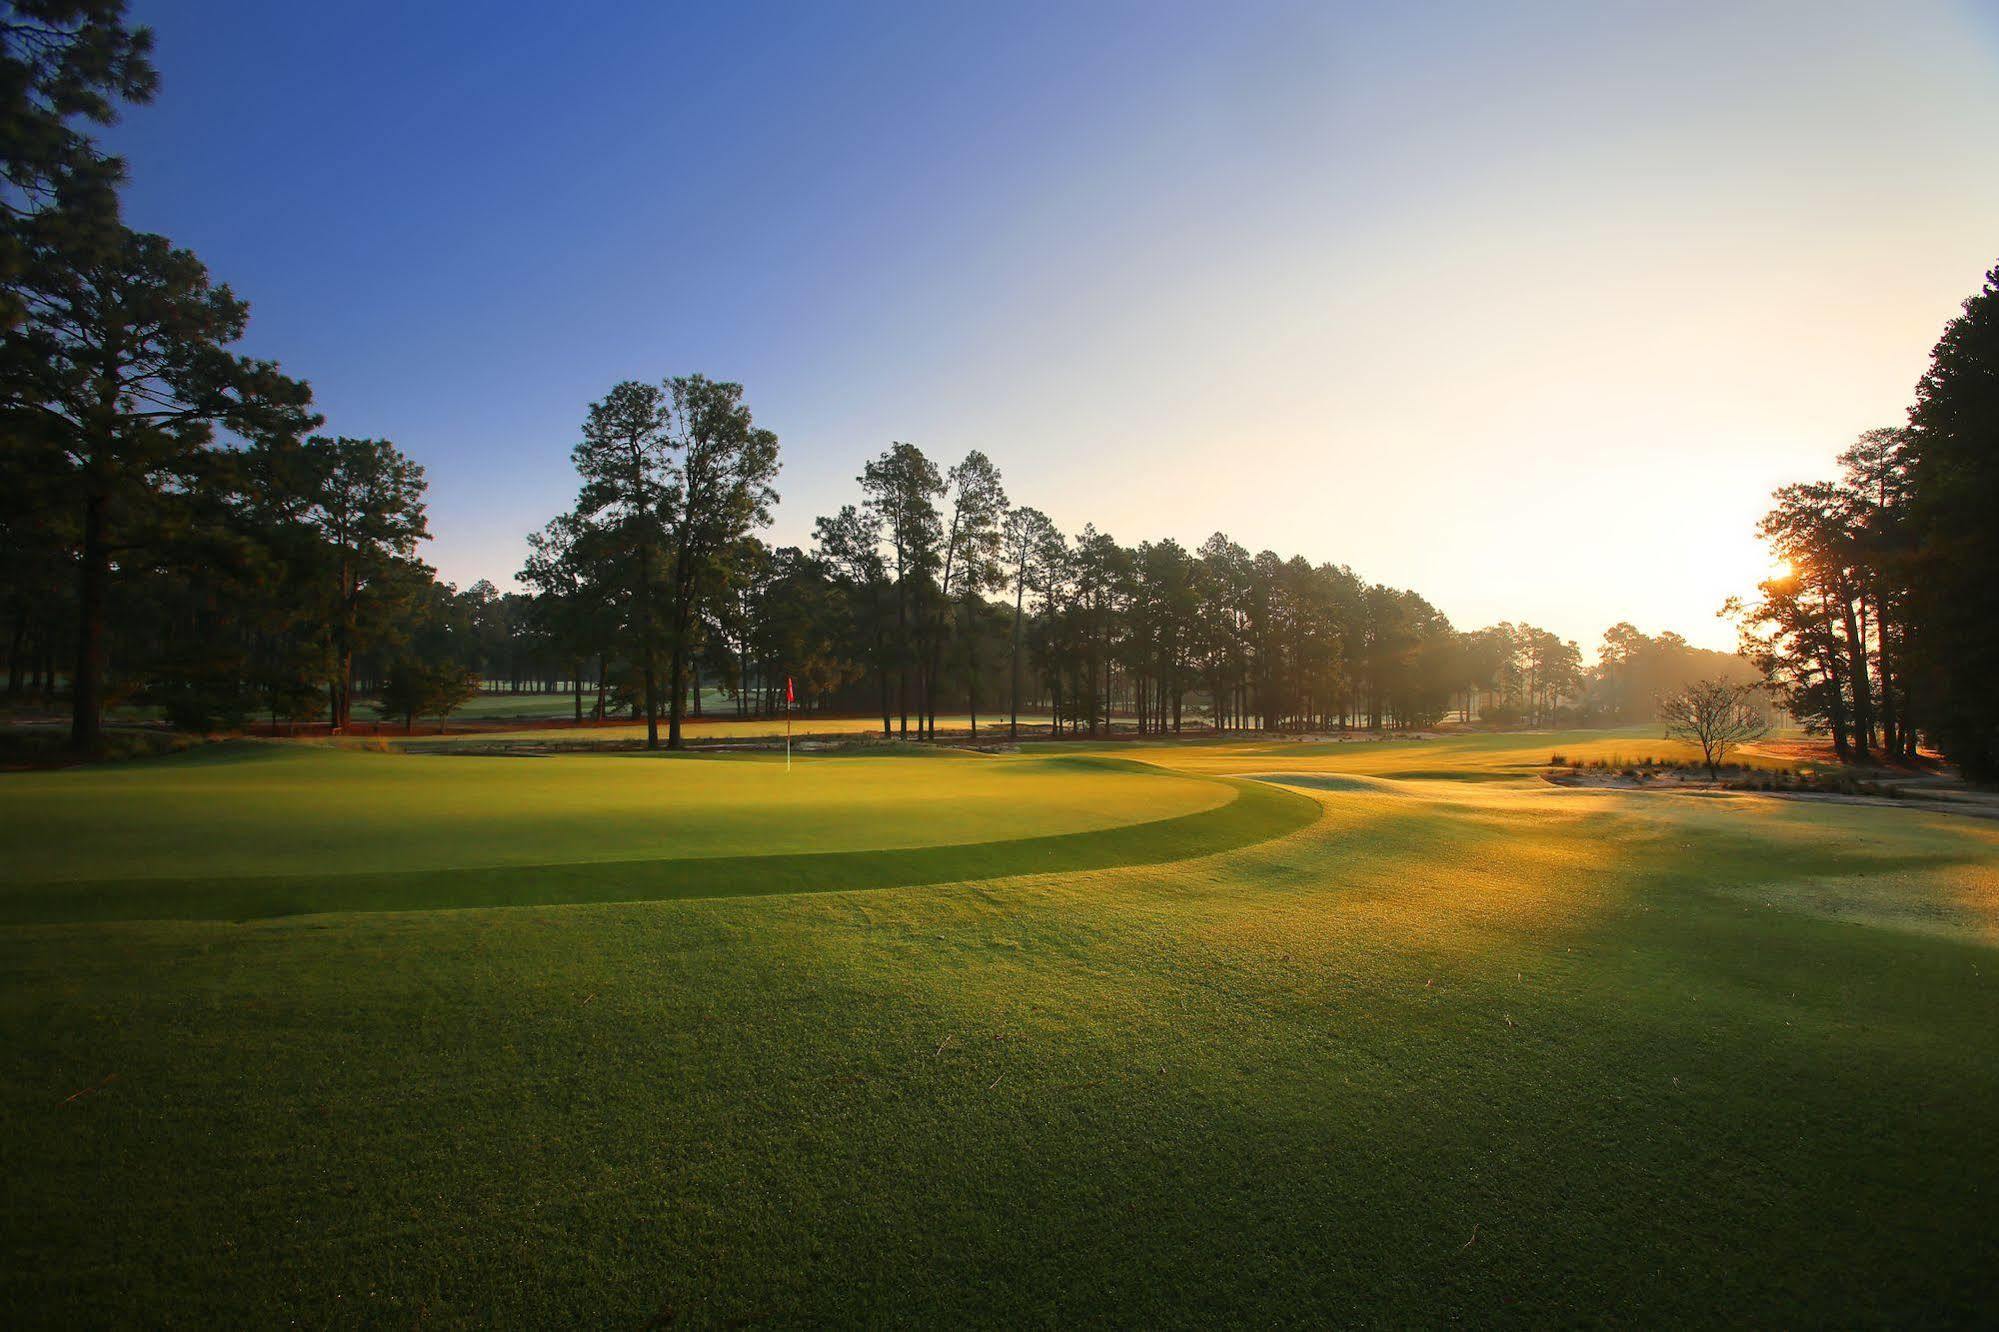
(499, 704)
(719, 725)
(1450, 756)
(1371, 1042)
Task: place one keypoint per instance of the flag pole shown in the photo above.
(787, 723)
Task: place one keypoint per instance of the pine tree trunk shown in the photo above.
(888, 718)
(676, 688)
(15, 650)
(972, 681)
(1863, 700)
(648, 645)
(1019, 604)
(1891, 731)
(1836, 711)
(86, 729)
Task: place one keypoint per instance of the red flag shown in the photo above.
(789, 697)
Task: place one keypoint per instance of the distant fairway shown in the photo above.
(1453, 756)
(484, 706)
(723, 725)
(499, 704)
(1400, 1035)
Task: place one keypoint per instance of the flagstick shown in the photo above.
(787, 726)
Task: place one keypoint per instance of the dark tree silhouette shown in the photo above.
(1954, 500)
(720, 489)
(120, 366)
(64, 65)
(626, 462)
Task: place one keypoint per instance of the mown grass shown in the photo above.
(723, 725)
(1470, 1051)
(1227, 815)
(501, 704)
(1463, 755)
(250, 809)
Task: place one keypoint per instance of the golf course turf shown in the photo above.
(1150, 1034)
(624, 827)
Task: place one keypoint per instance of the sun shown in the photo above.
(1780, 569)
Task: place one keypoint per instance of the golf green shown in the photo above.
(271, 829)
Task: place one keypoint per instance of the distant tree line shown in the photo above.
(175, 532)
(1635, 673)
(933, 594)
(1883, 629)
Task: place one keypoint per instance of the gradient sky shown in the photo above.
(1525, 308)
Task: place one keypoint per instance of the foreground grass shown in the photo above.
(1456, 1050)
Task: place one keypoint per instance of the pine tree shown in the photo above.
(1954, 490)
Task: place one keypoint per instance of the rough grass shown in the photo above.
(1470, 1051)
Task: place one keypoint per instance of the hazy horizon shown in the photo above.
(1479, 304)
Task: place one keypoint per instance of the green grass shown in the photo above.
(261, 808)
(484, 707)
(1479, 1051)
(1466, 755)
(499, 704)
(270, 830)
(721, 724)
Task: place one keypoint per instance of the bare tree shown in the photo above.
(1717, 715)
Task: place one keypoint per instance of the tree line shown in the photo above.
(175, 532)
(933, 594)
(1882, 631)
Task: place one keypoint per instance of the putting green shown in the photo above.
(270, 829)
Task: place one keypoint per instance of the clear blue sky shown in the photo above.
(1457, 294)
